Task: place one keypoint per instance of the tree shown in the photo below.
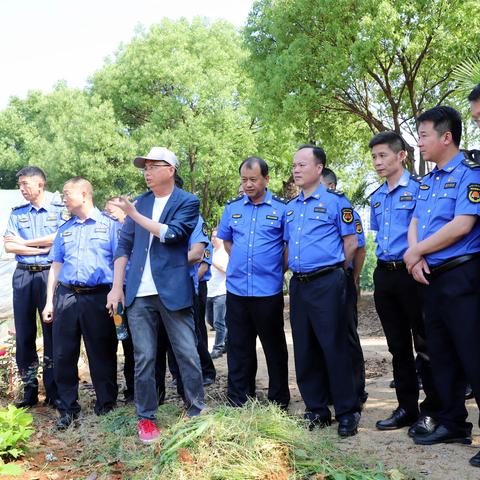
(361, 66)
(181, 85)
(69, 133)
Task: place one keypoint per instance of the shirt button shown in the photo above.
(428, 211)
(301, 214)
(296, 243)
(296, 258)
(423, 226)
(437, 178)
(386, 209)
(434, 195)
(249, 259)
(304, 203)
(444, 194)
(299, 228)
(386, 223)
(249, 274)
(249, 244)
(253, 219)
(385, 238)
(385, 251)
(146, 249)
(251, 232)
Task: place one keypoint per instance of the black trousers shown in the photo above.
(206, 362)
(452, 321)
(29, 296)
(358, 362)
(323, 359)
(84, 315)
(247, 318)
(399, 305)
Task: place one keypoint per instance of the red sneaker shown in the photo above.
(147, 431)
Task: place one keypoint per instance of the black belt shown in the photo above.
(397, 265)
(104, 287)
(33, 268)
(452, 263)
(309, 276)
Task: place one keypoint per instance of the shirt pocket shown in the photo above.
(317, 218)
(272, 222)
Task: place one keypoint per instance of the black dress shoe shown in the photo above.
(423, 426)
(392, 384)
(468, 392)
(208, 381)
(398, 419)
(443, 435)
(475, 460)
(26, 402)
(348, 425)
(65, 421)
(315, 420)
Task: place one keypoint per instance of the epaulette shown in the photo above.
(336, 192)
(416, 178)
(473, 155)
(280, 199)
(294, 198)
(236, 199)
(58, 204)
(20, 206)
(470, 163)
(113, 217)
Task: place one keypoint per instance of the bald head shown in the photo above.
(78, 196)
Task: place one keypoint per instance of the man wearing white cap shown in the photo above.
(158, 290)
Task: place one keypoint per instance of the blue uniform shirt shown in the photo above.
(315, 227)
(29, 223)
(86, 249)
(390, 216)
(199, 235)
(255, 268)
(445, 193)
(207, 258)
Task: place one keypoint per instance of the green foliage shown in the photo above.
(344, 69)
(467, 74)
(181, 85)
(366, 277)
(15, 431)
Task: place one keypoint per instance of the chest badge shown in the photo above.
(237, 215)
(376, 205)
(424, 187)
(450, 185)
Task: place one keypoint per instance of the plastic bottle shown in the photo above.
(120, 323)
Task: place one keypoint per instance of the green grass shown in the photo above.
(257, 442)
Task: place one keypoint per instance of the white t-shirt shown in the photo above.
(216, 285)
(147, 285)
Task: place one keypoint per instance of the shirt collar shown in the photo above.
(320, 190)
(402, 182)
(451, 165)
(94, 214)
(39, 209)
(266, 199)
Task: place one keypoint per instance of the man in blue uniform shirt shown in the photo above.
(78, 283)
(444, 256)
(159, 291)
(397, 295)
(329, 179)
(320, 231)
(252, 230)
(30, 233)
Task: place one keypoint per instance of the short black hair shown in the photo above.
(329, 175)
(395, 141)
(444, 119)
(31, 171)
(474, 94)
(318, 153)
(250, 162)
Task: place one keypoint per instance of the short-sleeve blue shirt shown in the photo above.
(444, 194)
(86, 249)
(255, 268)
(29, 223)
(390, 215)
(199, 235)
(314, 229)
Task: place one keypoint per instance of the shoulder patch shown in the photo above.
(280, 199)
(416, 178)
(236, 199)
(205, 229)
(20, 206)
(347, 215)
(470, 163)
(336, 192)
(358, 227)
(65, 215)
(206, 253)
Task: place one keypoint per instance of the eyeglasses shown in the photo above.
(149, 168)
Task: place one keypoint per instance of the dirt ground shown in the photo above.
(393, 449)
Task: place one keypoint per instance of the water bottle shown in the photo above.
(120, 323)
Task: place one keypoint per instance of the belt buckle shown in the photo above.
(35, 268)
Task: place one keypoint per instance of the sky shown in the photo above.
(45, 41)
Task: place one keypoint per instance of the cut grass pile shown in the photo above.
(257, 442)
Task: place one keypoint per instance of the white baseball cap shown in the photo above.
(158, 154)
